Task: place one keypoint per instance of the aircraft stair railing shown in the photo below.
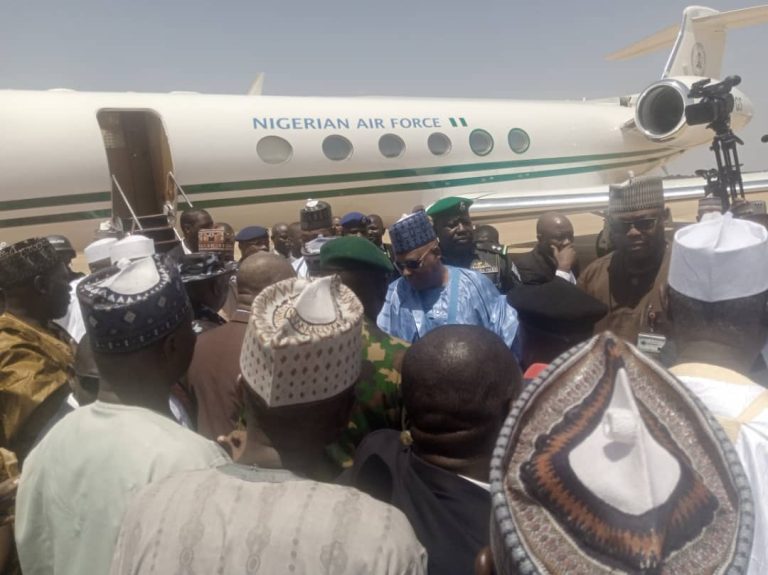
(154, 226)
(135, 218)
(178, 187)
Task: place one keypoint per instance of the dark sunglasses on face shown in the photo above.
(414, 264)
(641, 225)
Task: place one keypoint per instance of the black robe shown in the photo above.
(450, 515)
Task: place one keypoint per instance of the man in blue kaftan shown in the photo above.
(430, 294)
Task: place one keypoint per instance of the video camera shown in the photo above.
(716, 102)
(714, 109)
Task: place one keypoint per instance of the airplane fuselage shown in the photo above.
(257, 159)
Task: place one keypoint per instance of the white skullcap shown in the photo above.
(303, 342)
(98, 250)
(131, 248)
(720, 259)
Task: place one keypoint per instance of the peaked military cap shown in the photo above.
(26, 259)
(450, 206)
(251, 233)
(352, 252)
(354, 219)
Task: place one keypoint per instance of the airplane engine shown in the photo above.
(660, 111)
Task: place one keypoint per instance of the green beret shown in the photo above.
(350, 252)
(450, 206)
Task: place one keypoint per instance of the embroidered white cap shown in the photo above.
(131, 248)
(98, 250)
(303, 342)
(720, 259)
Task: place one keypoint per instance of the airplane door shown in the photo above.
(139, 158)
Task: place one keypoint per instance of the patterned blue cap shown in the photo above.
(411, 232)
(127, 309)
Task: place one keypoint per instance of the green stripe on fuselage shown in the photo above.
(72, 199)
(51, 201)
(377, 189)
(405, 173)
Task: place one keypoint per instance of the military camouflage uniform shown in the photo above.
(377, 393)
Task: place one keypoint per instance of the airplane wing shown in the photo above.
(492, 206)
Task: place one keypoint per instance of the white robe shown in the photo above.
(237, 519)
(741, 407)
(79, 479)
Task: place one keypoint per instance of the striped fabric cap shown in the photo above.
(637, 194)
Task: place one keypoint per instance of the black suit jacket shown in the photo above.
(450, 515)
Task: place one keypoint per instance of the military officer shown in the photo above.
(453, 226)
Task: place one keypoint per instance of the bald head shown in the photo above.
(553, 229)
(258, 271)
(281, 239)
(457, 384)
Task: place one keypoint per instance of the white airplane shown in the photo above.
(69, 159)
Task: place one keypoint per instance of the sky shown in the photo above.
(481, 49)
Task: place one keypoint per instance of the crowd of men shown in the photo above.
(328, 402)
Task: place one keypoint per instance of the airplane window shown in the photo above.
(391, 146)
(337, 148)
(439, 144)
(481, 142)
(519, 141)
(274, 149)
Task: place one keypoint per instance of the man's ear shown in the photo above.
(170, 346)
(41, 284)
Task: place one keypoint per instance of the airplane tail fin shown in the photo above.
(257, 86)
(698, 43)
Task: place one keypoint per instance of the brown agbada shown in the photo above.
(623, 320)
(34, 366)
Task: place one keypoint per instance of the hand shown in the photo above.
(565, 257)
(7, 499)
(233, 443)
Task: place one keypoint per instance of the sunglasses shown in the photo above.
(414, 265)
(641, 225)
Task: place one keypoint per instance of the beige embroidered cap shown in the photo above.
(303, 341)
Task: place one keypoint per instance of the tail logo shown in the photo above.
(699, 59)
